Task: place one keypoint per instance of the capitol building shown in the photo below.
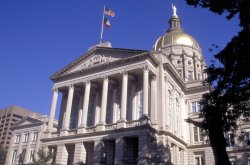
(126, 107)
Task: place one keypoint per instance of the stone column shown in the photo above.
(153, 108)
(162, 98)
(114, 108)
(68, 109)
(145, 91)
(104, 102)
(80, 153)
(52, 110)
(61, 155)
(124, 96)
(85, 107)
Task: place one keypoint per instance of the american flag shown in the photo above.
(109, 12)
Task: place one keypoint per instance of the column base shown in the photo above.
(81, 129)
(100, 126)
(64, 132)
(121, 123)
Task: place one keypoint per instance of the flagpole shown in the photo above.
(102, 24)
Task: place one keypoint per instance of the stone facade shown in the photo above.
(9, 116)
(25, 139)
(127, 107)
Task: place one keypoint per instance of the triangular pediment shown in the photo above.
(94, 60)
(95, 57)
(27, 121)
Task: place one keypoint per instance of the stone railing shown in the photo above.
(55, 134)
(72, 131)
(90, 129)
(110, 126)
(133, 123)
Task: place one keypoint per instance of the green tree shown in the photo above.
(3, 153)
(44, 158)
(229, 98)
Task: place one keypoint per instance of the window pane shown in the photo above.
(193, 107)
(195, 134)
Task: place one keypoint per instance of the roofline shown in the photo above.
(90, 52)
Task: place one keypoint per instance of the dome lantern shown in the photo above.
(175, 35)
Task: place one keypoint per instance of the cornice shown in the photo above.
(181, 83)
(96, 50)
(100, 133)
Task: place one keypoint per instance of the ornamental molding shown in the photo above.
(99, 52)
(108, 65)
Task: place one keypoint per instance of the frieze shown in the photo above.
(94, 60)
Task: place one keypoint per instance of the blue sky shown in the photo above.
(38, 37)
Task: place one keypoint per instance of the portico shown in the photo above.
(105, 100)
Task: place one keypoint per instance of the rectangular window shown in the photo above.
(198, 136)
(17, 138)
(32, 152)
(26, 137)
(199, 158)
(14, 156)
(196, 107)
(190, 75)
(34, 137)
(247, 138)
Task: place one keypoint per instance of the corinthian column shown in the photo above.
(104, 100)
(86, 103)
(124, 96)
(145, 91)
(68, 107)
(52, 110)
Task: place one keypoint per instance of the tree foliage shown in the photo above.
(44, 158)
(3, 154)
(231, 80)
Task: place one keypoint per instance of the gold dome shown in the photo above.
(175, 36)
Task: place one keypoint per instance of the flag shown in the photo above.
(109, 12)
(106, 23)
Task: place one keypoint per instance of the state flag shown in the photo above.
(106, 23)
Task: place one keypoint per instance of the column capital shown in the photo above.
(105, 78)
(124, 73)
(70, 86)
(145, 68)
(87, 82)
(54, 89)
(153, 78)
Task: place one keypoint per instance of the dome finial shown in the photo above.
(174, 10)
